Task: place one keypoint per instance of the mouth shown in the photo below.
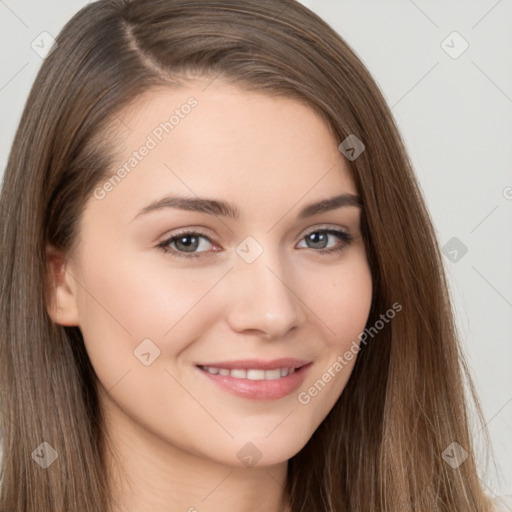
(257, 380)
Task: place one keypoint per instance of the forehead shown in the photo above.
(222, 141)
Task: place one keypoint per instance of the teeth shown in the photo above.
(251, 374)
(273, 374)
(255, 374)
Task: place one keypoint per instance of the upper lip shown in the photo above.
(248, 364)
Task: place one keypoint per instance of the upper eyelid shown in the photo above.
(326, 227)
(199, 231)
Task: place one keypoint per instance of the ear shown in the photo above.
(62, 299)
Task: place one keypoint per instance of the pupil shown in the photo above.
(318, 238)
(188, 246)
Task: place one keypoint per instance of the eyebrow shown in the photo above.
(226, 209)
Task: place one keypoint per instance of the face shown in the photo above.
(214, 322)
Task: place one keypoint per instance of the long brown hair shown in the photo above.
(380, 449)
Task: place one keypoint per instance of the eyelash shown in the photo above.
(345, 237)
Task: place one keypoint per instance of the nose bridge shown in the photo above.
(264, 299)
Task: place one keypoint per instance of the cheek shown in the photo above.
(353, 292)
(341, 298)
(123, 303)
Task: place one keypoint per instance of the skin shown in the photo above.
(175, 434)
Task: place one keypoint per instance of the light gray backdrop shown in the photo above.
(445, 69)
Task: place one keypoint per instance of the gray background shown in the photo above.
(455, 115)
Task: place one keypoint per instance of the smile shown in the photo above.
(257, 383)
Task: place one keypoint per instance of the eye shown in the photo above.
(320, 238)
(186, 244)
(190, 244)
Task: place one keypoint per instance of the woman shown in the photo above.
(220, 284)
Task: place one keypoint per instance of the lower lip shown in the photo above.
(260, 389)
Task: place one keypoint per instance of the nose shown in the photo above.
(262, 298)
